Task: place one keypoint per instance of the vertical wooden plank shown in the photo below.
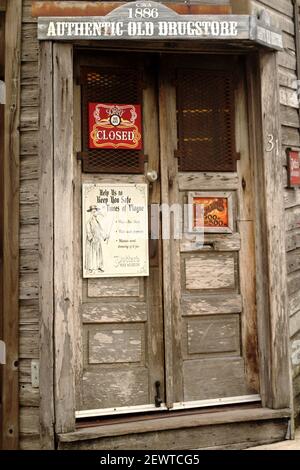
(246, 217)
(255, 145)
(275, 231)
(78, 346)
(46, 248)
(174, 201)
(2, 50)
(63, 237)
(165, 150)
(153, 284)
(11, 223)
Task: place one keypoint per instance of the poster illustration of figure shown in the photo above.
(115, 230)
(95, 235)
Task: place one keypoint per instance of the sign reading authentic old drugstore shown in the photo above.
(115, 126)
(152, 20)
(115, 230)
(293, 168)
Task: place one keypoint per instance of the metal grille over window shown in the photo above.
(205, 110)
(116, 86)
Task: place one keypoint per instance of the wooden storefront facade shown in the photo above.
(204, 352)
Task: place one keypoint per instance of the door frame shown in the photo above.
(11, 217)
(58, 338)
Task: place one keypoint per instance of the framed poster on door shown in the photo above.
(115, 230)
(210, 212)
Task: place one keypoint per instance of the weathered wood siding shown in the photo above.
(282, 13)
(29, 231)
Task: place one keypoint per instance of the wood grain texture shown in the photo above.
(210, 272)
(166, 93)
(170, 136)
(228, 242)
(29, 421)
(230, 436)
(246, 228)
(46, 241)
(211, 304)
(29, 396)
(154, 345)
(115, 345)
(63, 237)
(29, 312)
(207, 181)
(274, 217)
(114, 312)
(10, 420)
(214, 378)
(111, 387)
(125, 287)
(213, 334)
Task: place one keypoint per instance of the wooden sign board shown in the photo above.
(115, 230)
(210, 212)
(151, 21)
(115, 126)
(293, 168)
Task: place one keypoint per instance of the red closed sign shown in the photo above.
(294, 168)
(114, 126)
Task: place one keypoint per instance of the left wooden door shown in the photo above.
(120, 357)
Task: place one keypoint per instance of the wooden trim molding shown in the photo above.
(10, 421)
(275, 232)
(63, 174)
(46, 214)
(272, 311)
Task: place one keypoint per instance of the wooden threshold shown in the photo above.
(178, 421)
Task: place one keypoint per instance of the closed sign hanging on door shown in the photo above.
(114, 126)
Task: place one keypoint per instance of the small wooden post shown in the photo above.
(10, 401)
(63, 237)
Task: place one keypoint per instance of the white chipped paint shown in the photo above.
(103, 338)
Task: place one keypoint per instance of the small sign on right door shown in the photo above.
(293, 168)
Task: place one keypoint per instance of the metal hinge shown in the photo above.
(35, 375)
(2, 352)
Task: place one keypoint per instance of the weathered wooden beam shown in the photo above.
(2, 50)
(63, 237)
(77, 8)
(272, 197)
(46, 214)
(10, 402)
(186, 421)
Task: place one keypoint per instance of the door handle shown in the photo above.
(152, 176)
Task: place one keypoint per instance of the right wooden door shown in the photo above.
(209, 278)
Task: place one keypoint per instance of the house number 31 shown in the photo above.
(272, 144)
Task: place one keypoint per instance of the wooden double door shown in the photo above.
(185, 336)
